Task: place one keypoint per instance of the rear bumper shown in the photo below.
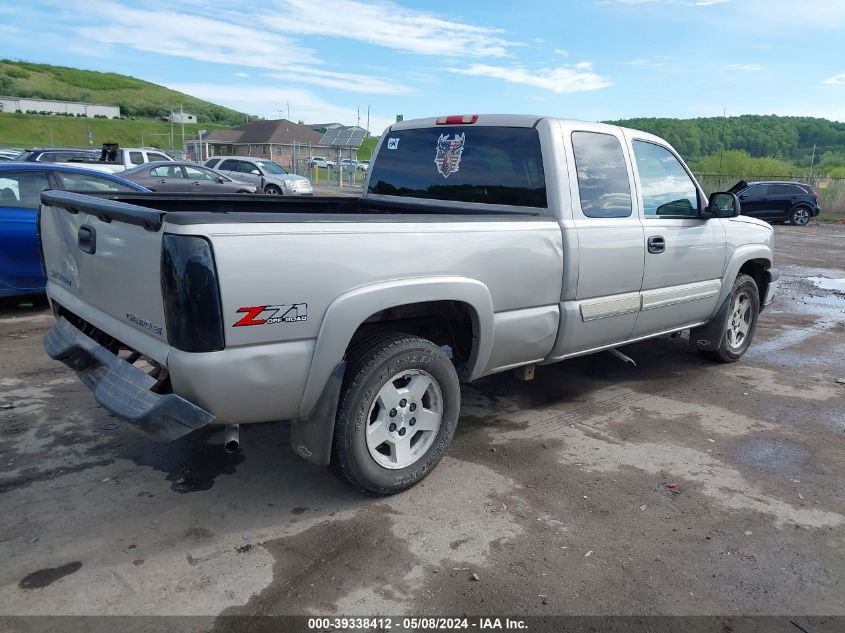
(122, 388)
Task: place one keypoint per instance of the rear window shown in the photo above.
(486, 165)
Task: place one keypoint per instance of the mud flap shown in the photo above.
(311, 437)
(709, 336)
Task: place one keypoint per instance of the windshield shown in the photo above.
(488, 165)
(270, 167)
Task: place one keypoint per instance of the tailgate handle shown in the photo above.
(87, 239)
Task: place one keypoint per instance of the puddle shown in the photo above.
(826, 283)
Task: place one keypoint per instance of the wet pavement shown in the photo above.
(674, 487)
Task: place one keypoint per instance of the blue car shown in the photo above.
(21, 185)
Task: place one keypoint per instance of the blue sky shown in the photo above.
(588, 59)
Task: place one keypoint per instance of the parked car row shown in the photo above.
(345, 164)
(26, 174)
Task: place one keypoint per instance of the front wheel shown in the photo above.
(272, 190)
(397, 415)
(741, 321)
(800, 216)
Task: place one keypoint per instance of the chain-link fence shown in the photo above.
(831, 190)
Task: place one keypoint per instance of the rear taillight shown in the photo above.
(457, 119)
(192, 308)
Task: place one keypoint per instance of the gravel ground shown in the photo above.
(674, 487)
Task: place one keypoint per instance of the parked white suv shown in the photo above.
(320, 161)
(265, 174)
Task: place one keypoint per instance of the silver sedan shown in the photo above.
(184, 177)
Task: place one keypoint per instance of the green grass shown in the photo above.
(32, 130)
(135, 97)
(365, 152)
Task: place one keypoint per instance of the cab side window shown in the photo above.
(603, 184)
(668, 190)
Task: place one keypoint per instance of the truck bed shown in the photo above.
(149, 209)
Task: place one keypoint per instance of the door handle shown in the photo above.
(656, 244)
(87, 239)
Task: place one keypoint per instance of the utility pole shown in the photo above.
(812, 161)
(368, 119)
(182, 120)
(171, 124)
(722, 153)
(359, 116)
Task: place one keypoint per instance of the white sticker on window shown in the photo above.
(393, 143)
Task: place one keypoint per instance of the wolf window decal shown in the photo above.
(448, 155)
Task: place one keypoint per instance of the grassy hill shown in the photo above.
(34, 130)
(136, 98)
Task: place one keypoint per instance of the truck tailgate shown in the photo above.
(102, 260)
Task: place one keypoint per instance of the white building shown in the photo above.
(25, 104)
(183, 117)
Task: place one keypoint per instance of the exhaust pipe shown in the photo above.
(231, 439)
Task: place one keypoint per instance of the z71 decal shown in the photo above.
(268, 315)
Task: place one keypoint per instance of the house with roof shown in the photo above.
(279, 140)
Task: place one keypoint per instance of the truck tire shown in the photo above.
(398, 411)
(741, 321)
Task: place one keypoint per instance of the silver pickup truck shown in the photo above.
(481, 244)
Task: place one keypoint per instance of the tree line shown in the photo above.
(777, 144)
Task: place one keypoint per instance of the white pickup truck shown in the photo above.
(482, 244)
(114, 159)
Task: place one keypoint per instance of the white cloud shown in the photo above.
(343, 81)
(384, 23)
(823, 14)
(743, 67)
(561, 52)
(197, 37)
(835, 80)
(562, 79)
(266, 102)
(180, 34)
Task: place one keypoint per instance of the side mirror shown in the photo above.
(256, 172)
(722, 204)
(220, 179)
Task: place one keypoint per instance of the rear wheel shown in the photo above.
(397, 414)
(741, 322)
(272, 190)
(800, 216)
